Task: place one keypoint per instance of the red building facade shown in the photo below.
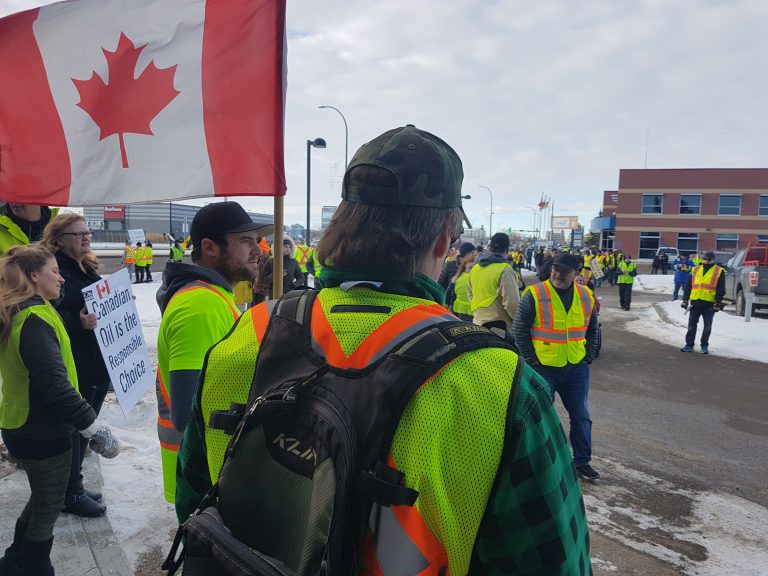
(692, 210)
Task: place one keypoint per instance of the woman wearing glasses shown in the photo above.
(68, 237)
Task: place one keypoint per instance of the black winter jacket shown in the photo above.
(55, 407)
(85, 348)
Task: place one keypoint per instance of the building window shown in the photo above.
(763, 209)
(649, 244)
(652, 203)
(762, 238)
(687, 242)
(730, 205)
(690, 204)
(727, 241)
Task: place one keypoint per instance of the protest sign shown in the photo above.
(121, 340)
(597, 272)
(136, 235)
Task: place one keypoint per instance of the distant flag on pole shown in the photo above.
(543, 205)
(115, 102)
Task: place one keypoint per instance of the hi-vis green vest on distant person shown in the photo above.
(625, 272)
(14, 376)
(302, 256)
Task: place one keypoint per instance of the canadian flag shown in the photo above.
(115, 102)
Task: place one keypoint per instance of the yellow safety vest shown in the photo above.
(704, 284)
(14, 376)
(139, 257)
(485, 284)
(302, 256)
(625, 269)
(560, 337)
(451, 509)
(462, 305)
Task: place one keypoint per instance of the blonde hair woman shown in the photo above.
(39, 405)
(69, 239)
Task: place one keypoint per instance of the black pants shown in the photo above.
(706, 314)
(148, 272)
(625, 295)
(139, 273)
(48, 483)
(94, 394)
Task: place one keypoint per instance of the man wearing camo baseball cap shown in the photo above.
(479, 440)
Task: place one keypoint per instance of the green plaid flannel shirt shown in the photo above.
(535, 523)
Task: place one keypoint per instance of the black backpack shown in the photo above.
(308, 457)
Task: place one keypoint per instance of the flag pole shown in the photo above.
(277, 249)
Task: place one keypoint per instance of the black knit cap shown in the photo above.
(466, 248)
(499, 242)
(221, 218)
(567, 260)
(428, 171)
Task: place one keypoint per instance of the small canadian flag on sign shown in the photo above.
(102, 289)
(115, 102)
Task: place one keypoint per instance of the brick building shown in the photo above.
(690, 209)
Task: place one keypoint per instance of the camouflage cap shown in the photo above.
(428, 171)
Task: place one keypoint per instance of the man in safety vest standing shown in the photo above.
(198, 308)
(627, 270)
(556, 330)
(704, 289)
(493, 287)
(138, 263)
(480, 440)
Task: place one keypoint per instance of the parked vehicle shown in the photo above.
(747, 272)
(722, 258)
(669, 251)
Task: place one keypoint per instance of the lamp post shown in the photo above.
(346, 134)
(316, 143)
(490, 218)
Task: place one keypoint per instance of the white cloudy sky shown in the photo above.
(549, 97)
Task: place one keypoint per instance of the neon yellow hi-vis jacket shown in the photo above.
(195, 314)
(480, 441)
(11, 235)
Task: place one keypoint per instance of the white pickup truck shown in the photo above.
(747, 272)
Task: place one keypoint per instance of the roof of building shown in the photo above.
(699, 178)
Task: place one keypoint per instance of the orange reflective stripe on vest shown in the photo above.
(393, 331)
(302, 255)
(169, 437)
(398, 542)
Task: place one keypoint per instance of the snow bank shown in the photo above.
(668, 323)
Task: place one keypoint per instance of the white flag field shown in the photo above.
(120, 337)
(115, 102)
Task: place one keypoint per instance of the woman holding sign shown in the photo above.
(40, 406)
(69, 239)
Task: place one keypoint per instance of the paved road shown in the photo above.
(675, 435)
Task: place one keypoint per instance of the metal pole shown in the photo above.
(346, 135)
(490, 218)
(309, 147)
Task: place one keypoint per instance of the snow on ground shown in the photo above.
(133, 482)
(721, 535)
(668, 323)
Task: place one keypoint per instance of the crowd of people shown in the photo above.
(432, 355)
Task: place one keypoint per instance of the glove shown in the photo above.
(719, 306)
(101, 440)
(684, 304)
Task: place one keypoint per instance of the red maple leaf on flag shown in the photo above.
(126, 104)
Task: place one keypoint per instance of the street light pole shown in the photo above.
(490, 218)
(346, 134)
(316, 143)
